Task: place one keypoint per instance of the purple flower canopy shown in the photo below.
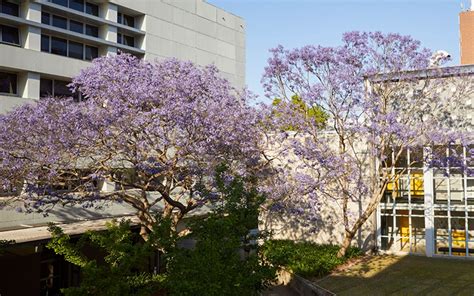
(374, 108)
(160, 127)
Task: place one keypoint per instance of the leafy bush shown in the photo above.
(224, 260)
(122, 271)
(306, 258)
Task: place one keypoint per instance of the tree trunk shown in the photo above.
(346, 244)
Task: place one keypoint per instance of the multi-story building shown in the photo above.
(43, 44)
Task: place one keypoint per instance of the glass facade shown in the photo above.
(430, 209)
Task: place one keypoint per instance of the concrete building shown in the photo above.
(44, 43)
(466, 30)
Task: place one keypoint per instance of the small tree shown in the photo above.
(376, 108)
(227, 257)
(154, 132)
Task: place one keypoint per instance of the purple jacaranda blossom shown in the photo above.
(377, 107)
(156, 131)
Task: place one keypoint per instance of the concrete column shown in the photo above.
(30, 36)
(429, 204)
(29, 85)
(109, 12)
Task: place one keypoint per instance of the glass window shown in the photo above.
(91, 52)
(119, 38)
(60, 2)
(45, 18)
(128, 20)
(119, 18)
(59, 22)
(76, 26)
(10, 35)
(128, 40)
(77, 5)
(46, 87)
(10, 8)
(8, 83)
(59, 46)
(61, 89)
(76, 50)
(92, 9)
(92, 31)
(45, 43)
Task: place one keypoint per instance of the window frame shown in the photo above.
(10, 43)
(15, 91)
(12, 3)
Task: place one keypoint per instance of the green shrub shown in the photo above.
(305, 258)
(218, 264)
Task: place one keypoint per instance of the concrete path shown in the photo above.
(280, 291)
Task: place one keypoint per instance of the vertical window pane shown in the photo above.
(10, 35)
(92, 31)
(128, 20)
(45, 18)
(76, 50)
(45, 43)
(128, 40)
(61, 89)
(60, 2)
(77, 5)
(10, 8)
(7, 83)
(76, 26)
(91, 52)
(46, 87)
(119, 18)
(119, 38)
(92, 9)
(59, 22)
(58, 46)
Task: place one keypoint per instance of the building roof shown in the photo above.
(440, 72)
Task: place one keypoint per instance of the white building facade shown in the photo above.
(44, 43)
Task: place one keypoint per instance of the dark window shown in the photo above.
(119, 38)
(45, 18)
(77, 5)
(10, 35)
(10, 8)
(91, 52)
(59, 22)
(76, 26)
(92, 31)
(8, 83)
(119, 18)
(128, 40)
(45, 43)
(46, 87)
(128, 20)
(60, 2)
(76, 50)
(92, 9)
(58, 46)
(61, 89)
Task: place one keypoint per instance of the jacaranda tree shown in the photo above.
(377, 107)
(154, 132)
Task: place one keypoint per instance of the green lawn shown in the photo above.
(407, 275)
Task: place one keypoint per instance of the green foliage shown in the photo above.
(224, 260)
(4, 244)
(305, 258)
(314, 112)
(122, 271)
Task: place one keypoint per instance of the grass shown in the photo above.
(408, 275)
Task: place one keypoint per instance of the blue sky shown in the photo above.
(295, 23)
